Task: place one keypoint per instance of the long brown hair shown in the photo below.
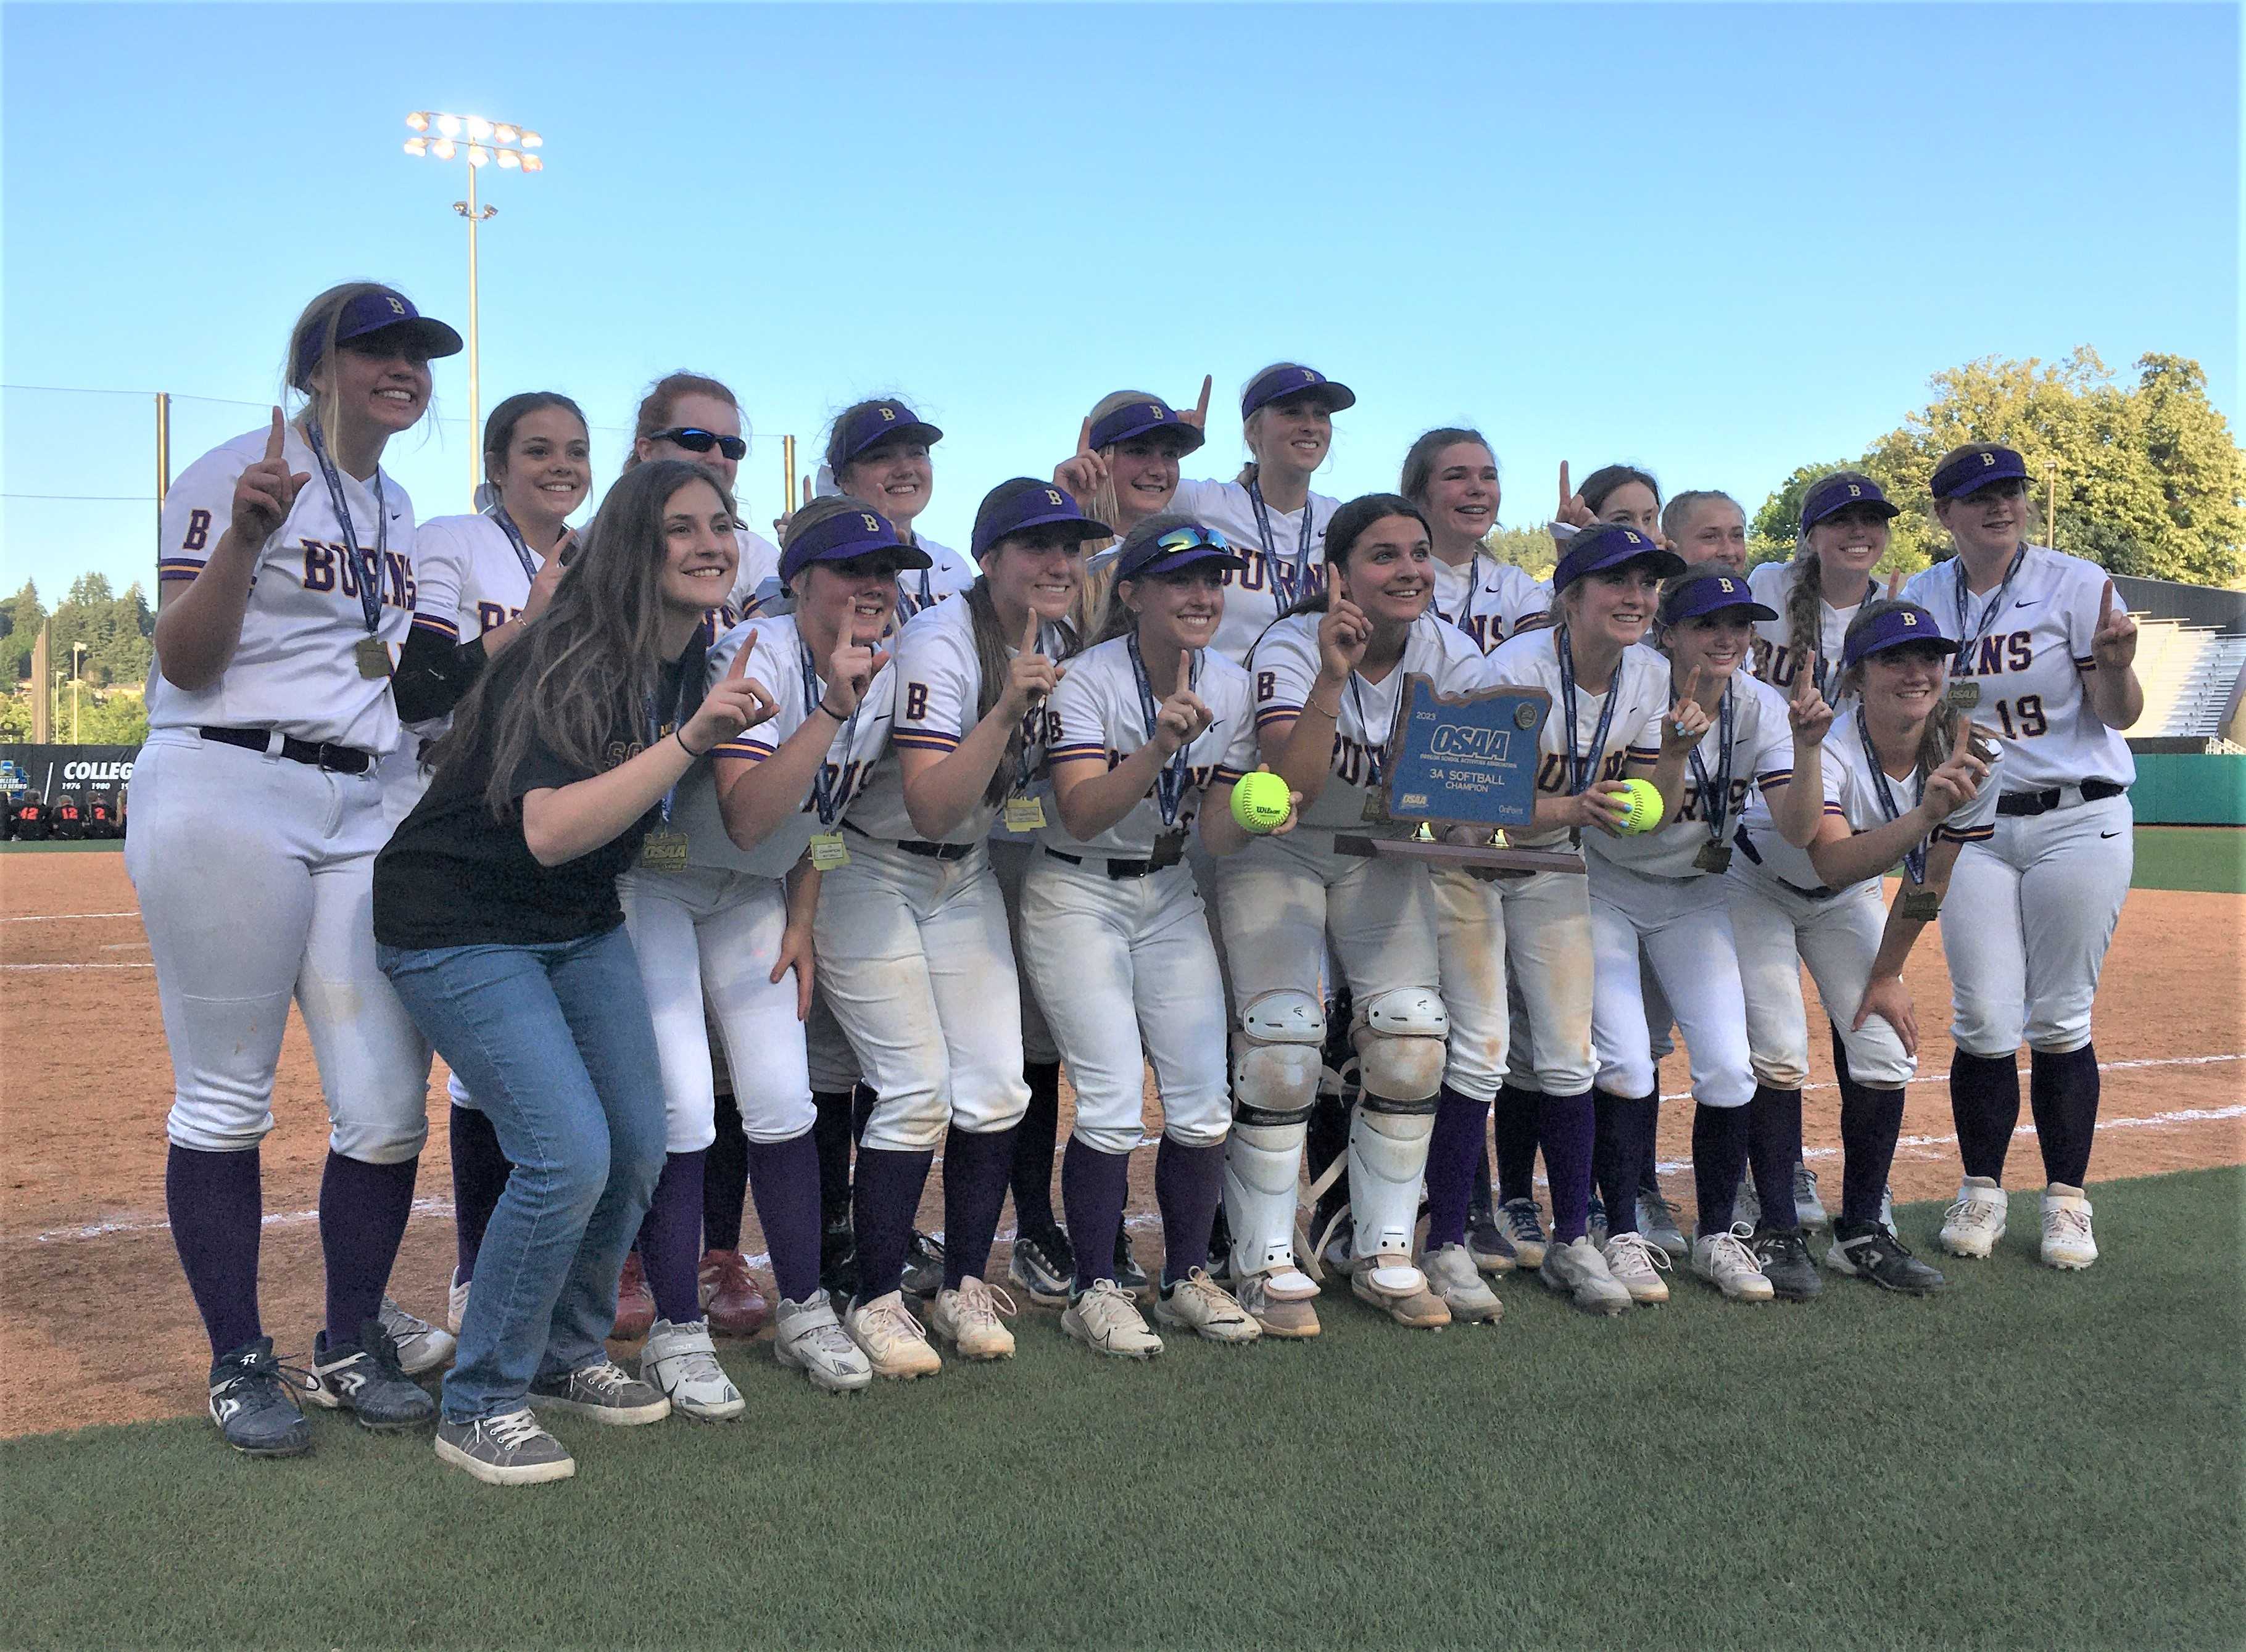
(595, 654)
(993, 655)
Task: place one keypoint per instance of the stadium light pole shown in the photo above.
(439, 136)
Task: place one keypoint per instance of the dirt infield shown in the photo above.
(84, 1081)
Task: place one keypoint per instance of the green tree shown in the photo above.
(15, 718)
(1771, 534)
(1526, 547)
(22, 614)
(120, 717)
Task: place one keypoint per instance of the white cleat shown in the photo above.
(683, 1361)
(808, 1338)
(1726, 1262)
(1638, 1266)
(967, 1318)
(1106, 1319)
(1453, 1277)
(2066, 1241)
(891, 1339)
(1975, 1221)
(421, 1346)
(1578, 1271)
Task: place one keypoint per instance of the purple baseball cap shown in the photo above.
(878, 422)
(1290, 379)
(843, 536)
(1977, 467)
(1828, 495)
(1901, 626)
(1717, 593)
(1609, 545)
(1024, 502)
(1137, 418)
(383, 310)
(1183, 544)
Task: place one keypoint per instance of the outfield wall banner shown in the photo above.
(47, 771)
(2175, 789)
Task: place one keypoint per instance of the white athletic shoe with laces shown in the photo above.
(1726, 1262)
(456, 1306)
(1200, 1305)
(1453, 1277)
(969, 1318)
(683, 1361)
(891, 1339)
(1637, 1265)
(1577, 1269)
(1975, 1221)
(2066, 1241)
(421, 1346)
(808, 1338)
(1106, 1319)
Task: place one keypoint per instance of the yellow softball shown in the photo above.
(1645, 801)
(1260, 802)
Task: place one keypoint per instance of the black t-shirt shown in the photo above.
(453, 876)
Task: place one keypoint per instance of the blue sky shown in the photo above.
(1716, 241)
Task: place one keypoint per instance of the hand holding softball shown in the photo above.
(1687, 720)
(1608, 805)
(1262, 805)
(265, 493)
(1343, 635)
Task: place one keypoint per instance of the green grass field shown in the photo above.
(2034, 1459)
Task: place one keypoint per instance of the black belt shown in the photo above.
(2045, 801)
(1820, 892)
(344, 759)
(1118, 870)
(913, 845)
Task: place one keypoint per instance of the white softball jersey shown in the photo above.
(776, 660)
(1097, 713)
(470, 578)
(1851, 794)
(1771, 584)
(2031, 659)
(756, 578)
(1489, 599)
(939, 685)
(1640, 689)
(1284, 667)
(296, 668)
(1253, 597)
(1762, 760)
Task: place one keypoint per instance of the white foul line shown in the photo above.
(76, 966)
(65, 917)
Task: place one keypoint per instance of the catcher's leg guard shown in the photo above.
(1275, 1082)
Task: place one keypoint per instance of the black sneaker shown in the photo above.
(1866, 1250)
(1784, 1261)
(1044, 1267)
(251, 1402)
(365, 1378)
(1128, 1273)
(1492, 1251)
(838, 1259)
(604, 1391)
(924, 1274)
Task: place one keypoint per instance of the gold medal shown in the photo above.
(1169, 848)
(374, 658)
(1964, 694)
(829, 852)
(1713, 857)
(664, 851)
(1024, 814)
(1376, 806)
(1921, 906)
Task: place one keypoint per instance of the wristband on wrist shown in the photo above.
(679, 735)
(830, 710)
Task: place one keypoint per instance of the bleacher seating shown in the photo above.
(2190, 675)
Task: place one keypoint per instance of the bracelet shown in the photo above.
(1333, 715)
(679, 735)
(830, 710)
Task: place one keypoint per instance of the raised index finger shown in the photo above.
(275, 437)
(1566, 492)
(1084, 437)
(1961, 733)
(1184, 667)
(1030, 633)
(1693, 684)
(1894, 584)
(2105, 605)
(1201, 407)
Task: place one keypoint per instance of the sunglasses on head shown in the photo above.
(701, 441)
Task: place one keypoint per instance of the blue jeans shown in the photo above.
(556, 1044)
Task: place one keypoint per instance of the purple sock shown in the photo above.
(1030, 1175)
(1094, 1187)
(884, 1202)
(2063, 1094)
(974, 1167)
(1188, 1186)
(670, 1239)
(831, 1135)
(1515, 1119)
(862, 1109)
(480, 1173)
(783, 1175)
(1454, 1161)
(1620, 1125)
(726, 1180)
(1985, 1099)
(216, 1205)
(363, 1212)
(1774, 1147)
(1566, 1126)
(1719, 1157)
(1871, 1120)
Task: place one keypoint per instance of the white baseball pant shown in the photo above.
(256, 878)
(1548, 955)
(1127, 965)
(2026, 922)
(920, 974)
(1280, 902)
(1775, 931)
(1011, 860)
(1470, 948)
(1678, 932)
(705, 934)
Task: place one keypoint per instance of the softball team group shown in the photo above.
(717, 869)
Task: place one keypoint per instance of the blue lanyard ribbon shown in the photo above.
(1966, 645)
(656, 731)
(1285, 581)
(1914, 860)
(1170, 784)
(1581, 769)
(1716, 799)
(498, 513)
(369, 567)
(825, 789)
